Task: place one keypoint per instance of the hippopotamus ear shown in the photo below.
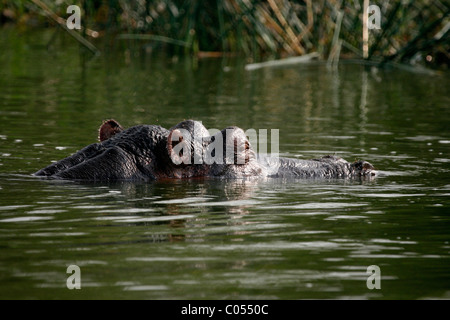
(108, 129)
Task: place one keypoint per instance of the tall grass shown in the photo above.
(278, 28)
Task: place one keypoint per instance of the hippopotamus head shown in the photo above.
(193, 152)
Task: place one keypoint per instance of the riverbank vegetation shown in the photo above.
(410, 32)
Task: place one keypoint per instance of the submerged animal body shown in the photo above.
(187, 150)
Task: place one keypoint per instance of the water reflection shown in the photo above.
(225, 228)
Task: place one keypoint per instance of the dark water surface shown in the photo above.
(215, 239)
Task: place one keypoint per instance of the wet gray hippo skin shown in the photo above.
(151, 152)
(138, 153)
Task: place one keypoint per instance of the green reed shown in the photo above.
(275, 28)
